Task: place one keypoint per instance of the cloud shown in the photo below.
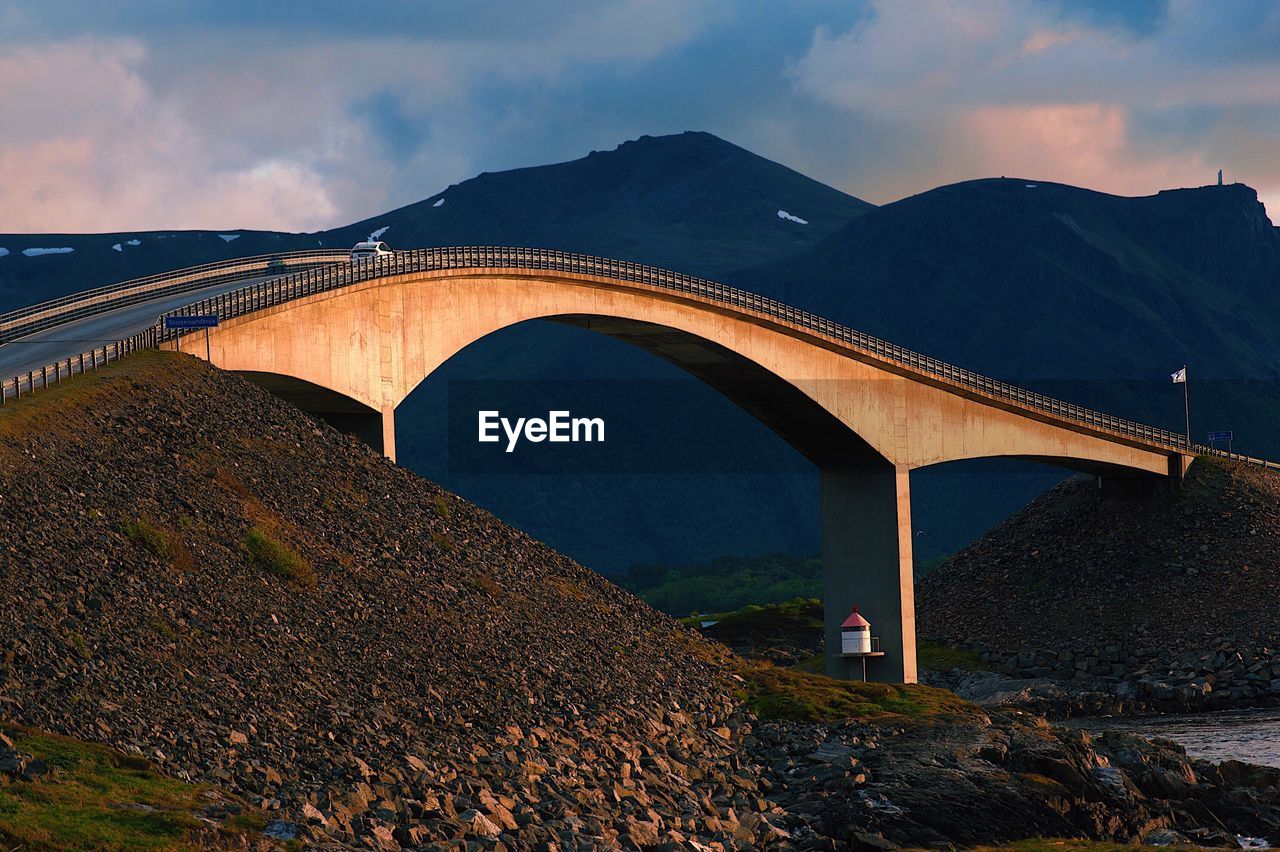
(976, 88)
(89, 146)
(250, 129)
(145, 114)
(1086, 144)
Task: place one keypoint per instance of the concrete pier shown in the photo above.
(866, 560)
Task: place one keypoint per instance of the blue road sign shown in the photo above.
(197, 321)
(1219, 436)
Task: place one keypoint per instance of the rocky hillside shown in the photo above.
(197, 574)
(1101, 604)
(1079, 566)
(196, 571)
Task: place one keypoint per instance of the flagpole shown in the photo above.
(1186, 404)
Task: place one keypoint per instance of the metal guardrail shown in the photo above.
(286, 288)
(28, 320)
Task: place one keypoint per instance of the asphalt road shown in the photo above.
(45, 347)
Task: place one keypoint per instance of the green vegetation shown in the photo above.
(732, 583)
(725, 584)
(817, 664)
(442, 507)
(156, 540)
(785, 693)
(800, 621)
(280, 559)
(940, 658)
(797, 614)
(1056, 844)
(443, 541)
(162, 626)
(142, 531)
(98, 798)
(77, 642)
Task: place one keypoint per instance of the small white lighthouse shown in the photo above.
(855, 635)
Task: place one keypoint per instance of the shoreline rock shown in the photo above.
(1116, 680)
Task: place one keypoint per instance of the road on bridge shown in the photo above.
(43, 348)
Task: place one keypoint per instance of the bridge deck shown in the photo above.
(238, 298)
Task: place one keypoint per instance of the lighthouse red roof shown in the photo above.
(855, 620)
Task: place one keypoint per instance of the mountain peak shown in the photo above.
(689, 201)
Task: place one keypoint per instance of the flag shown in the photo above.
(1180, 377)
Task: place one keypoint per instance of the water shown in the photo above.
(1249, 735)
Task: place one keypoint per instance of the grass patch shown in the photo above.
(483, 584)
(724, 584)
(232, 483)
(817, 664)
(1057, 844)
(939, 658)
(101, 799)
(278, 558)
(568, 588)
(443, 541)
(162, 627)
(785, 693)
(272, 540)
(443, 509)
(77, 641)
(796, 615)
(144, 533)
(82, 388)
(157, 541)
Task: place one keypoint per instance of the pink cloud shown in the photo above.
(975, 88)
(1083, 144)
(92, 148)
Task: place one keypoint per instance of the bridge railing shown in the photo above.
(54, 312)
(286, 288)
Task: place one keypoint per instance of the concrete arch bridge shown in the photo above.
(349, 342)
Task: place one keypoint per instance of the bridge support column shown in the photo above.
(389, 431)
(866, 560)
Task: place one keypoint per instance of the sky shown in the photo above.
(299, 116)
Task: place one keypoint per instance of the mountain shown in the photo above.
(1093, 298)
(691, 202)
(1084, 294)
(37, 267)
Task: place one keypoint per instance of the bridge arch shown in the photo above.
(865, 421)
